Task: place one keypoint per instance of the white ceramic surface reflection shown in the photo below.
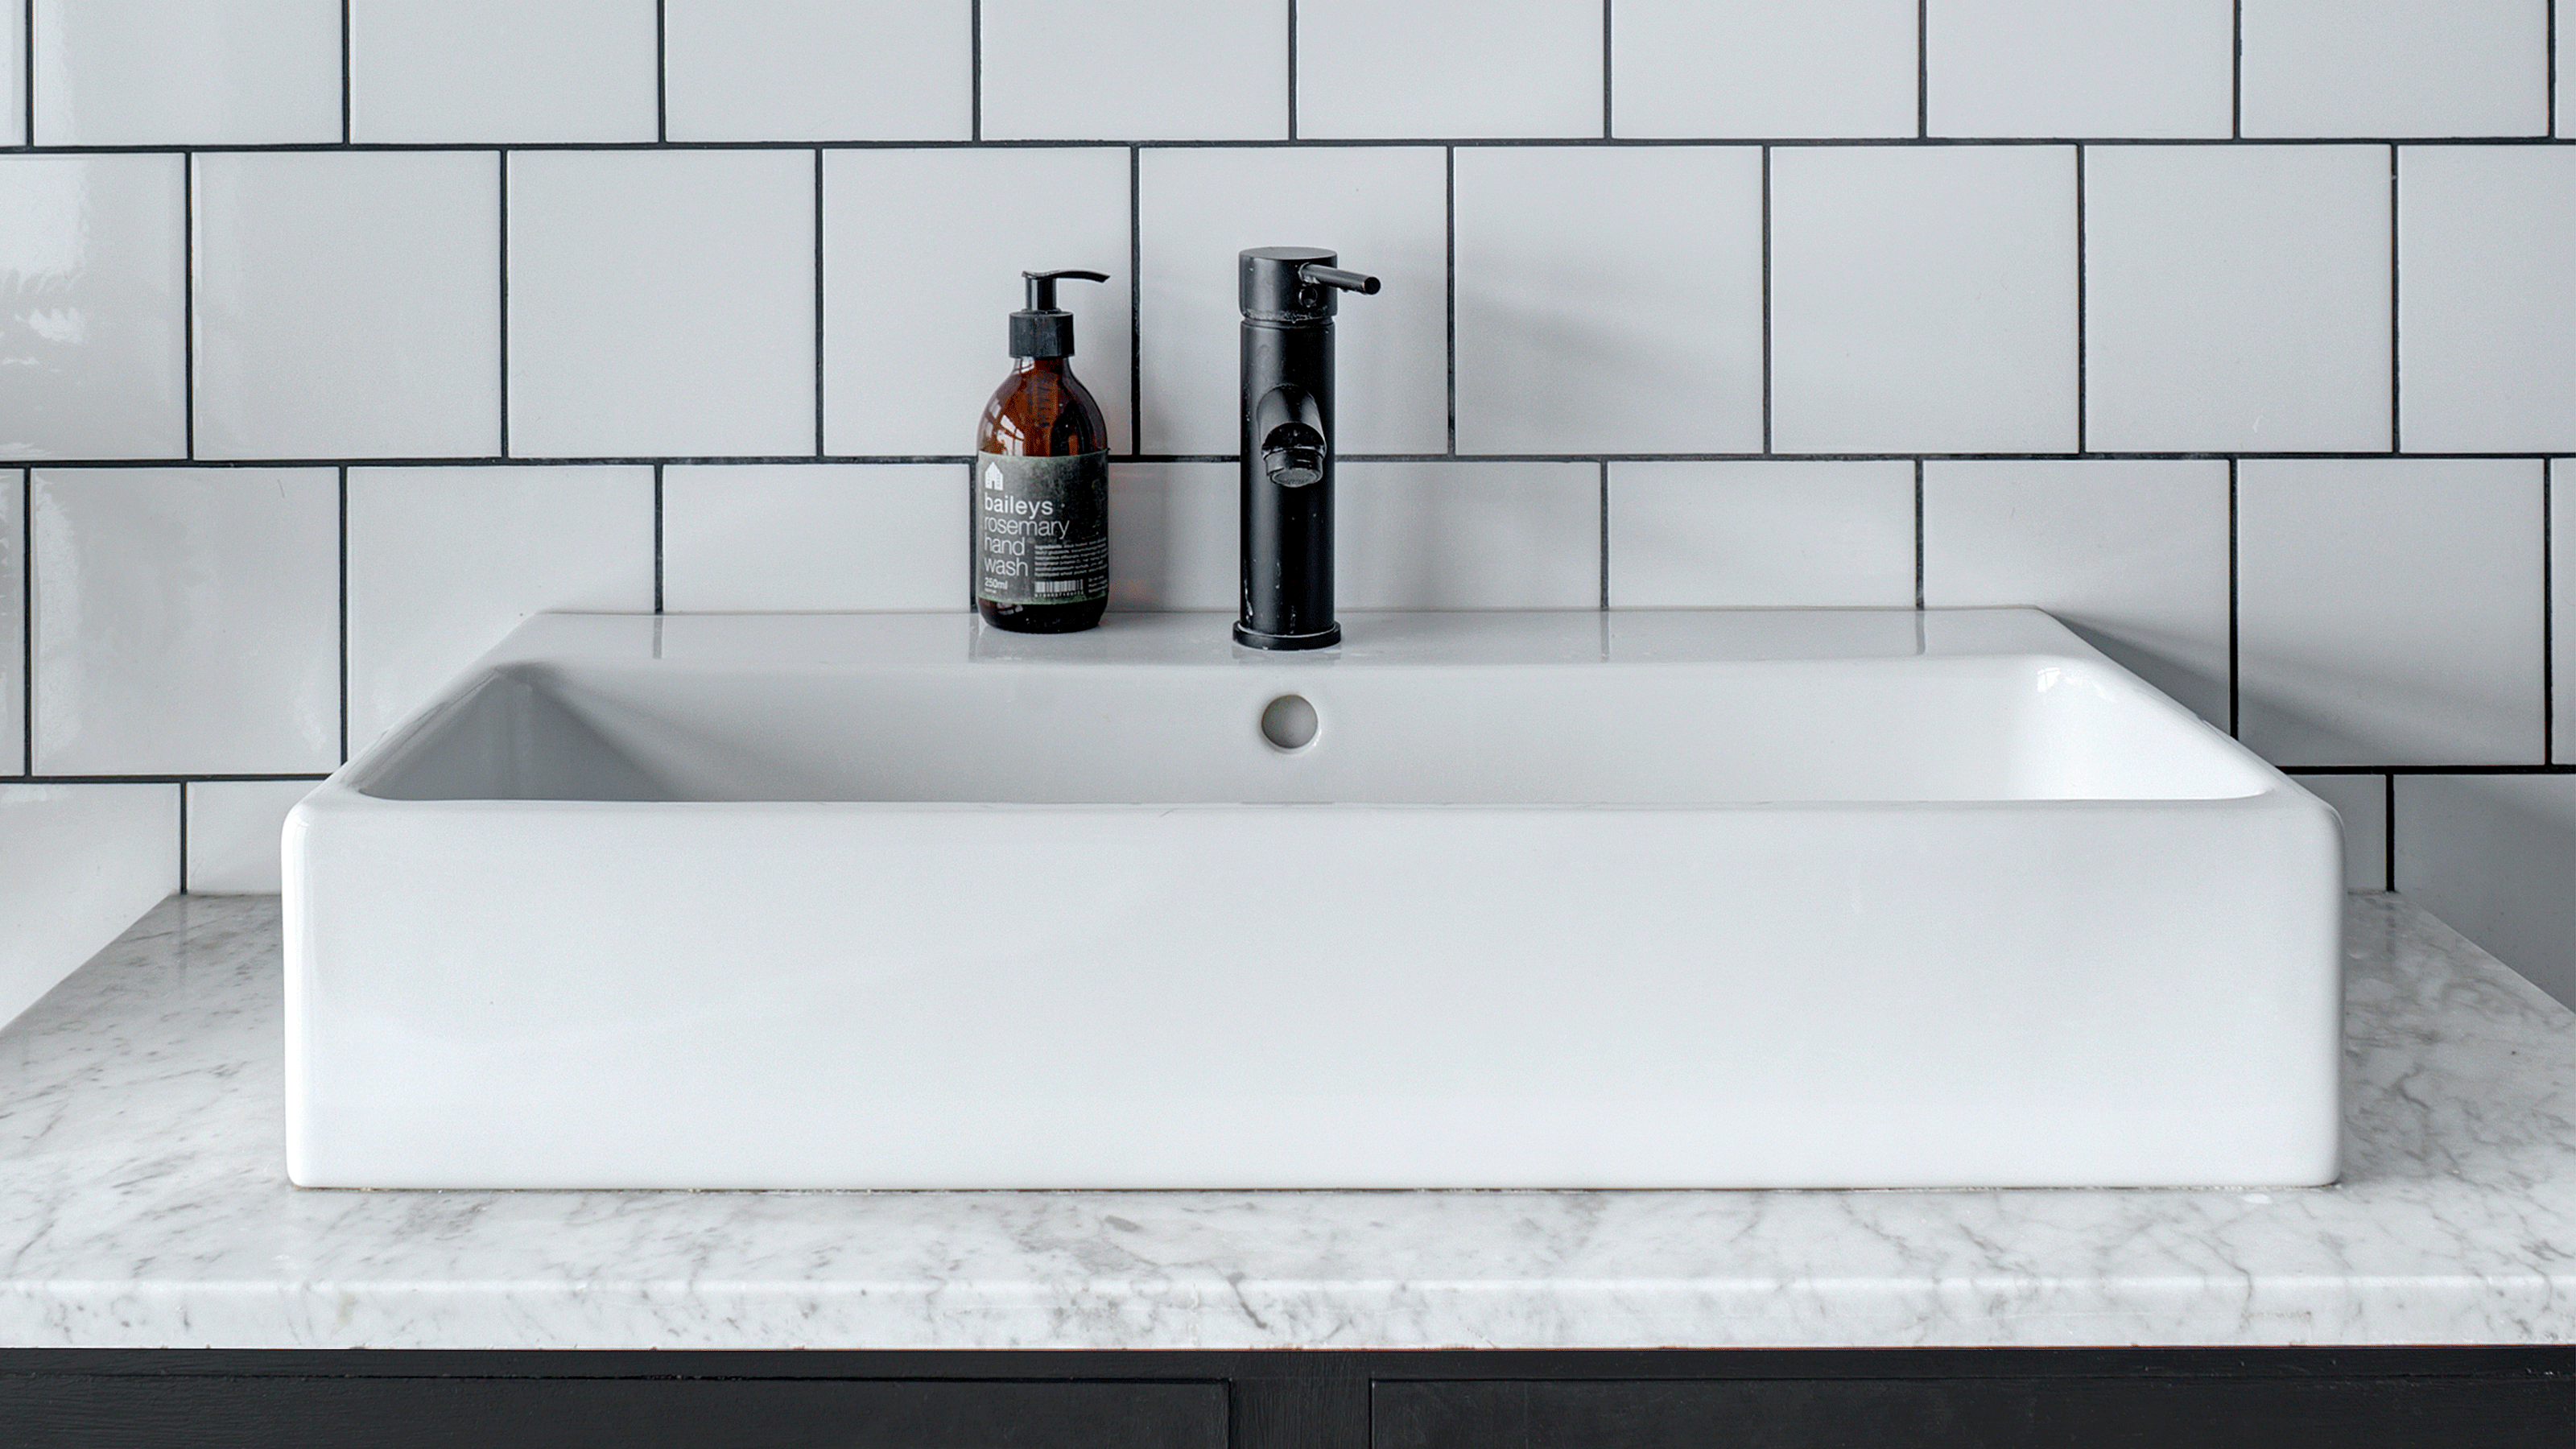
(187, 621)
(1773, 898)
(201, 72)
(92, 268)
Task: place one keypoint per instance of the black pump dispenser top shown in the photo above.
(1041, 329)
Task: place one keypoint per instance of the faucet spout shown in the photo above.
(1289, 295)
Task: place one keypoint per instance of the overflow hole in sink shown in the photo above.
(1288, 722)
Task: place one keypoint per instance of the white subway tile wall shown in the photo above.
(2131, 68)
(2252, 369)
(2362, 801)
(2395, 68)
(230, 833)
(199, 72)
(347, 304)
(1761, 533)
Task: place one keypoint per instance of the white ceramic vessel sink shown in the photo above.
(1724, 899)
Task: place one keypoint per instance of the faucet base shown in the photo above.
(1324, 638)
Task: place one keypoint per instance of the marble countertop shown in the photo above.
(143, 1203)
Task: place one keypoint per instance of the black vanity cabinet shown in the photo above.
(2486, 1398)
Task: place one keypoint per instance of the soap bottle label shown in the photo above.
(1041, 528)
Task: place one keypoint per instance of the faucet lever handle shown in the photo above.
(1316, 274)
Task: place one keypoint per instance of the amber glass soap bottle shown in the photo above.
(1042, 481)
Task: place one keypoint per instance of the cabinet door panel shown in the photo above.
(1973, 1413)
(81, 1411)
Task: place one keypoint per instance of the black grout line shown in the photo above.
(2236, 76)
(183, 838)
(2388, 831)
(1449, 282)
(1922, 68)
(344, 616)
(818, 304)
(188, 304)
(27, 616)
(1135, 304)
(171, 779)
(2396, 435)
(2082, 402)
(974, 70)
(1766, 299)
(661, 76)
(1605, 535)
(1292, 70)
(1357, 143)
(504, 169)
(657, 538)
(1591, 456)
(1606, 112)
(1918, 533)
(2235, 686)
(344, 72)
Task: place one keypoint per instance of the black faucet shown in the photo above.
(1288, 296)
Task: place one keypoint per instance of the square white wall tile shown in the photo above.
(233, 834)
(819, 70)
(661, 303)
(2486, 299)
(1384, 209)
(2130, 68)
(1373, 68)
(1173, 536)
(2396, 68)
(2389, 611)
(2236, 298)
(1762, 535)
(13, 83)
(13, 622)
(1923, 299)
(93, 266)
(187, 72)
(1467, 535)
(813, 537)
(187, 621)
(916, 313)
(348, 304)
(444, 561)
(1713, 68)
(2132, 555)
(2362, 801)
(520, 71)
(78, 864)
(2562, 609)
(2492, 855)
(1609, 300)
(1135, 70)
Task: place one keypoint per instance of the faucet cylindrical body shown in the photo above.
(1287, 452)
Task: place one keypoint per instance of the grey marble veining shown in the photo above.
(143, 1202)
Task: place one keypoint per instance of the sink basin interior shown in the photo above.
(1927, 729)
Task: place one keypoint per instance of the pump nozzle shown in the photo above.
(1042, 329)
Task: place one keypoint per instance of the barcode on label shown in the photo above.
(1058, 586)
